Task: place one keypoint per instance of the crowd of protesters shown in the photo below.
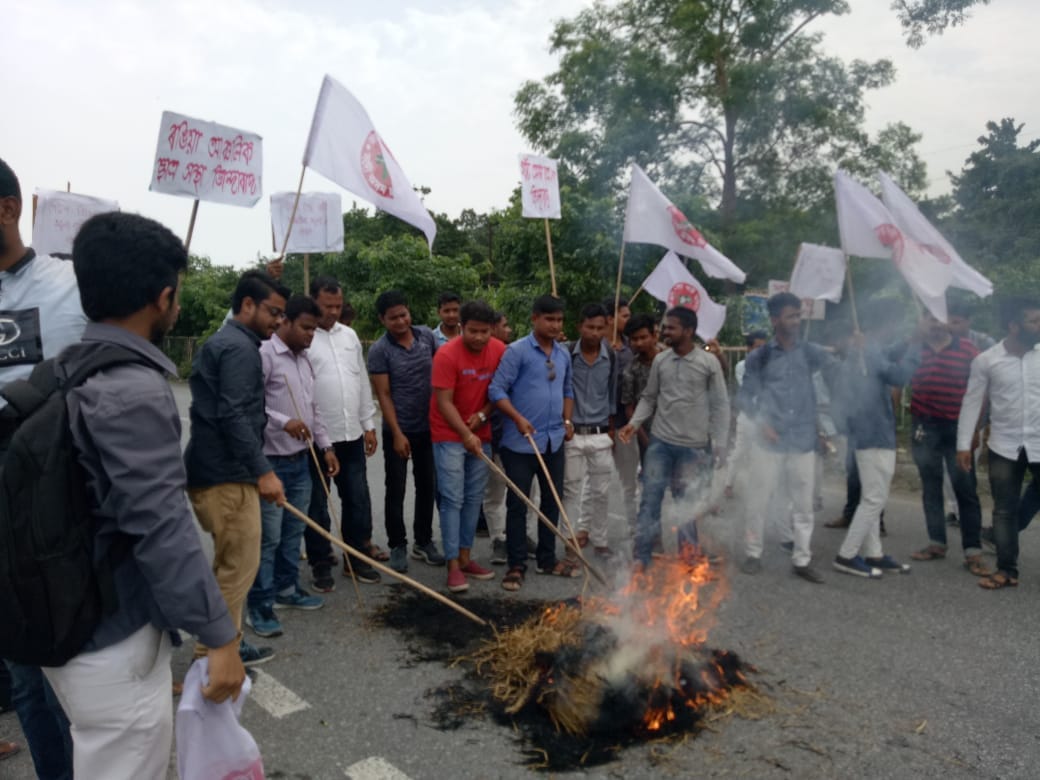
(284, 410)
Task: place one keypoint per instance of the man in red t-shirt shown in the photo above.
(459, 428)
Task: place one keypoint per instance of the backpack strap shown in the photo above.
(106, 357)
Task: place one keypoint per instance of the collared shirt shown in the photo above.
(686, 394)
(1013, 386)
(342, 390)
(410, 370)
(227, 410)
(442, 339)
(288, 386)
(595, 393)
(778, 391)
(40, 314)
(523, 378)
(938, 385)
(863, 402)
(127, 431)
(624, 358)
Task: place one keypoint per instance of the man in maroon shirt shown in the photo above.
(937, 388)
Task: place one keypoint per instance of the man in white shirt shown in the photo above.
(344, 399)
(1009, 375)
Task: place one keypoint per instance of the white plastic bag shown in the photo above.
(211, 743)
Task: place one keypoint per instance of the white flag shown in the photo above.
(317, 227)
(914, 224)
(819, 273)
(868, 229)
(539, 187)
(345, 147)
(58, 217)
(650, 218)
(672, 283)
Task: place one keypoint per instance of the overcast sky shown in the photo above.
(85, 84)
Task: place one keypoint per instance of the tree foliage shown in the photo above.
(921, 18)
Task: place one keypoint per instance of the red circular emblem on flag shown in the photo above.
(687, 233)
(374, 168)
(686, 295)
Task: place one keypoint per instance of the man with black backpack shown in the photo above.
(40, 314)
(126, 433)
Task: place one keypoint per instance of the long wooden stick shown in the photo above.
(855, 314)
(555, 494)
(307, 272)
(328, 493)
(385, 569)
(292, 216)
(552, 265)
(569, 544)
(635, 295)
(191, 224)
(617, 290)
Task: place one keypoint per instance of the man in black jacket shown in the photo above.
(228, 473)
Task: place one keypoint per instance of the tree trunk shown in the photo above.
(728, 207)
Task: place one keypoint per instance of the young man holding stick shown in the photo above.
(228, 472)
(532, 389)
(461, 433)
(293, 423)
(126, 430)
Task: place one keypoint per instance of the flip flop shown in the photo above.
(998, 580)
(563, 568)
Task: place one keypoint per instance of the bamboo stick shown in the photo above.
(191, 225)
(292, 216)
(552, 265)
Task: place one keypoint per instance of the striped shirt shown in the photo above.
(940, 382)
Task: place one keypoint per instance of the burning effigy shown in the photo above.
(583, 678)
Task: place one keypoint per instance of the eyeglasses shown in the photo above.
(274, 311)
(552, 369)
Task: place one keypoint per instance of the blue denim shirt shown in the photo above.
(778, 391)
(865, 402)
(523, 378)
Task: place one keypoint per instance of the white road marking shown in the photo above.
(374, 768)
(274, 697)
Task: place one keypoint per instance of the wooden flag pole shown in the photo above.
(307, 271)
(385, 569)
(191, 225)
(292, 215)
(552, 265)
(635, 295)
(852, 304)
(617, 289)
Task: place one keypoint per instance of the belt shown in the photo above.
(591, 430)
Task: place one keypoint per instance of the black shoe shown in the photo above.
(364, 573)
(254, 656)
(322, 579)
(809, 574)
(498, 552)
(751, 565)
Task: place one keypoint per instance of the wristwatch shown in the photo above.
(482, 417)
(568, 422)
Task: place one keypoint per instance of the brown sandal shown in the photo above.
(932, 552)
(513, 580)
(8, 749)
(563, 568)
(977, 566)
(998, 580)
(582, 539)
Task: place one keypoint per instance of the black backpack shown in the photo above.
(52, 595)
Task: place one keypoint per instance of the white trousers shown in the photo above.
(788, 478)
(588, 470)
(626, 461)
(876, 468)
(119, 701)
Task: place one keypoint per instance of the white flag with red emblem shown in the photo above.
(650, 218)
(914, 224)
(819, 273)
(868, 229)
(344, 146)
(672, 283)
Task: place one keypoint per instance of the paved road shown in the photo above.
(924, 675)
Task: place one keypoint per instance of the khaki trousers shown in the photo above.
(230, 513)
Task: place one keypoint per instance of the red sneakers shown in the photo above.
(477, 572)
(457, 581)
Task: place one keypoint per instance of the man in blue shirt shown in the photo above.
(533, 390)
(779, 399)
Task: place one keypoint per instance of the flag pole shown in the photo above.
(552, 266)
(635, 295)
(292, 216)
(306, 270)
(191, 224)
(617, 290)
(852, 304)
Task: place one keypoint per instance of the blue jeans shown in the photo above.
(935, 443)
(355, 504)
(461, 479)
(667, 465)
(43, 722)
(280, 544)
(1005, 480)
(522, 468)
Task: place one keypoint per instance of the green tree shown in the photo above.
(205, 297)
(931, 17)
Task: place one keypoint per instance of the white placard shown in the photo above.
(318, 226)
(539, 187)
(207, 161)
(59, 216)
(811, 310)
